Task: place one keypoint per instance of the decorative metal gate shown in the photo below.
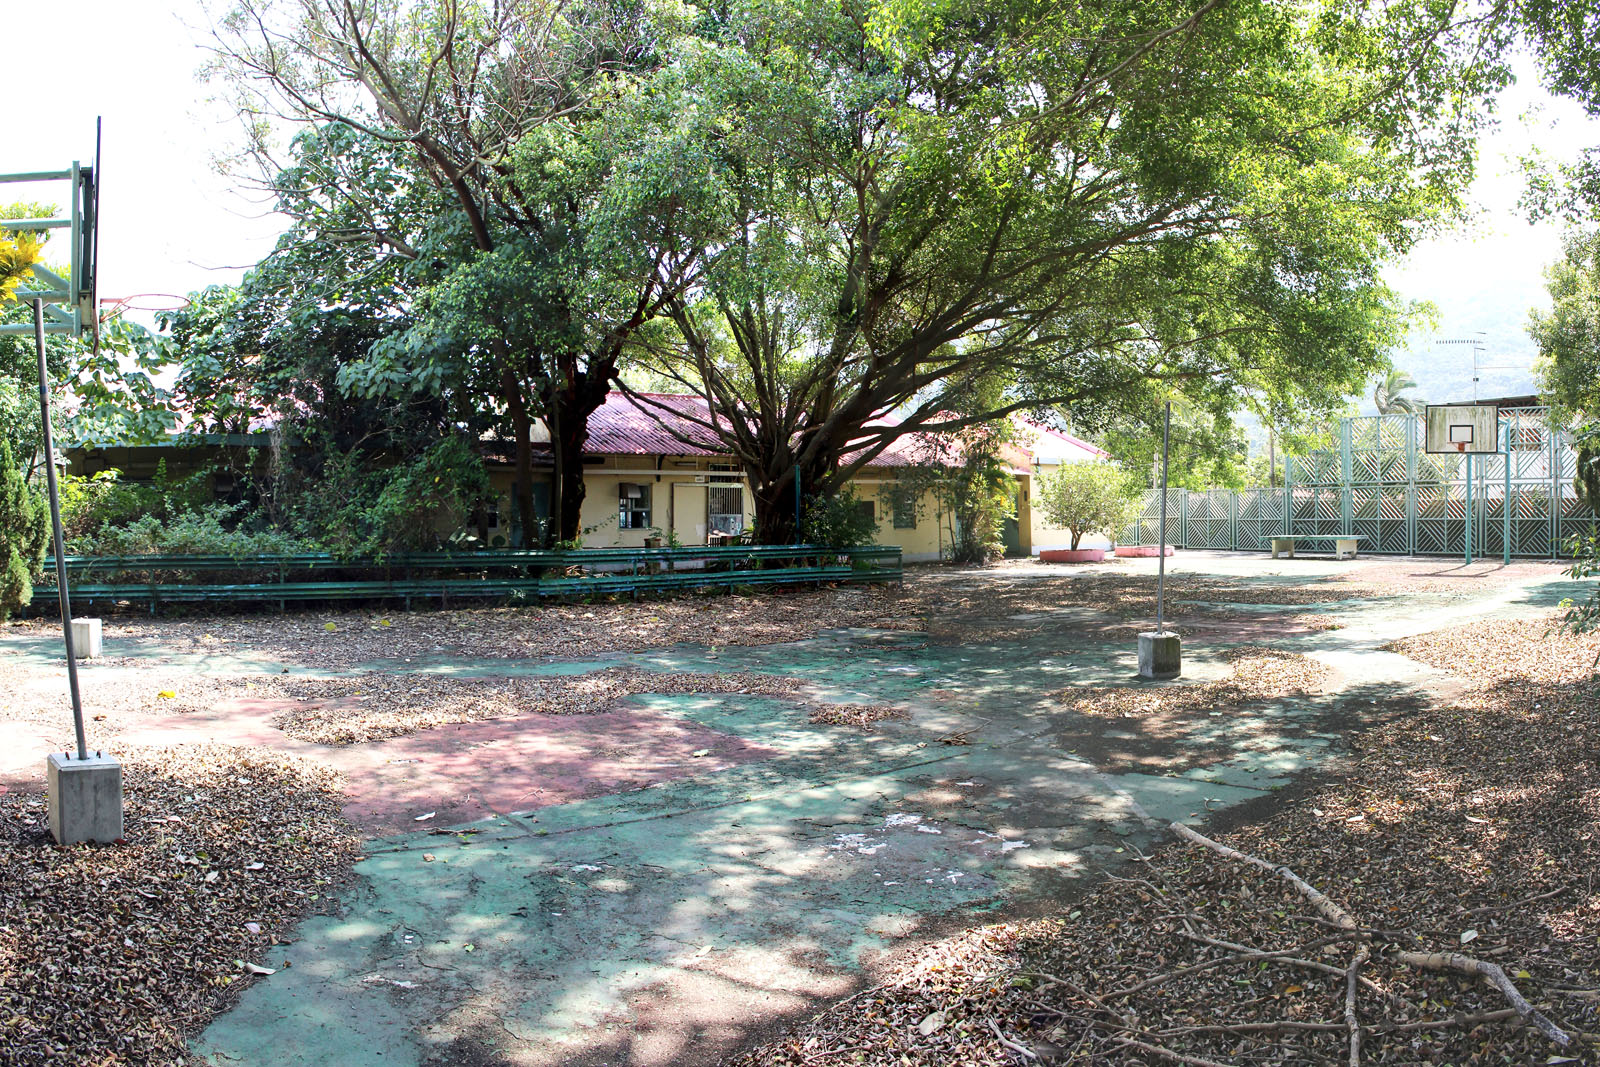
(1375, 482)
(1209, 519)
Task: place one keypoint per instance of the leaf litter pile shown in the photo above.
(348, 711)
(1439, 902)
(112, 953)
(342, 640)
(1268, 696)
(1255, 673)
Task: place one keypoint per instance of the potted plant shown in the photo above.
(1085, 498)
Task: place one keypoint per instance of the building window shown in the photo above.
(905, 509)
(867, 509)
(725, 505)
(633, 506)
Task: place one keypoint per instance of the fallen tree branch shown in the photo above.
(1428, 961)
(1313, 895)
(1237, 957)
(1352, 1023)
(1499, 1016)
(1490, 909)
(1296, 961)
(1010, 1044)
(1455, 961)
(1194, 1061)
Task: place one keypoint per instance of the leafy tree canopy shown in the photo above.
(529, 196)
(1568, 335)
(112, 387)
(1102, 203)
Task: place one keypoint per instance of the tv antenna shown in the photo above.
(1478, 343)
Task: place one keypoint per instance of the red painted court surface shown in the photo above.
(469, 771)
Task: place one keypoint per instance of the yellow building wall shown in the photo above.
(678, 496)
(928, 540)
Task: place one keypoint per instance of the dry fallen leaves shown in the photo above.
(1471, 820)
(111, 953)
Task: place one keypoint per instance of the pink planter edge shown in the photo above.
(1141, 551)
(1069, 555)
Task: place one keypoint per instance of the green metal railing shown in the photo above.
(447, 576)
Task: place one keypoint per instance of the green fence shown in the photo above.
(462, 576)
(1376, 482)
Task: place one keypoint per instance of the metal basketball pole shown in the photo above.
(55, 523)
(1505, 510)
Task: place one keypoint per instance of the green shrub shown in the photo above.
(357, 509)
(24, 535)
(838, 521)
(425, 501)
(97, 502)
(205, 531)
(1584, 548)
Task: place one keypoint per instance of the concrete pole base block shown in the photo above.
(85, 798)
(1160, 655)
(86, 638)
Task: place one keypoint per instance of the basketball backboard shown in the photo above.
(70, 302)
(1462, 428)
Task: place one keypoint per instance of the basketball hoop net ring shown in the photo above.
(112, 306)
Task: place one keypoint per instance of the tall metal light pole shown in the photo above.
(1161, 653)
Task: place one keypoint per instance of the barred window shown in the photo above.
(633, 499)
(905, 509)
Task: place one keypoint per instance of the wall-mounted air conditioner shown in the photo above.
(629, 491)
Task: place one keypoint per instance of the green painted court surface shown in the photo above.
(673, 923)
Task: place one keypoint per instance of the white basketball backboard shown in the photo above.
(1462, 428)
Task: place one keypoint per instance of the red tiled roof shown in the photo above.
(626, 427)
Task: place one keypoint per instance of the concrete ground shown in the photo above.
(666, 881)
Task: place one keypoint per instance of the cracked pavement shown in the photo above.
(674, 922)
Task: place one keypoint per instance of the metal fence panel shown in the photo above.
(1376, 482)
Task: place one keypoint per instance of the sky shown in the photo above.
(172, 222)
(1488, 274)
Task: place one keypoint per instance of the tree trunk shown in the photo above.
(774, 503)
(774, 495)
(569, 476)
(522, 431)
(577, 393)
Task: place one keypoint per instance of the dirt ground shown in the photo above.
(664, 832)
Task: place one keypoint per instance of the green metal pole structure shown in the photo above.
(1505, 508)
(1161, 539)
(1469, 507)
(55, 521)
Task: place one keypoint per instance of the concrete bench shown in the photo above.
(1344, 546)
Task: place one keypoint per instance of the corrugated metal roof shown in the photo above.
(623, 426)
(1062, 446)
